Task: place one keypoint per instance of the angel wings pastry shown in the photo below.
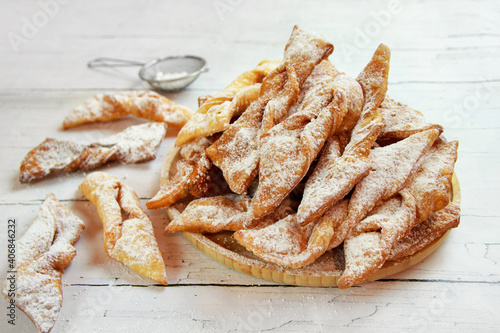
(295, 161)
(128, 231)
(135, 144)
(43, 252)
(143, 104)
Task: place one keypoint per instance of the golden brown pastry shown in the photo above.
(236, 151)
(355, 101)
(42, 254)
(213, 214)
(128, 232)
(288, 244)
(193, 174)
(428, 191)
(427, 231)
(289, 148)
(392, 166)
(144, 104)
(401, 121)
(336, 175)
(135, 144)
(316, 159)
(225, 212)
(215, 112)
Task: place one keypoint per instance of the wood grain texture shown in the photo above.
(444, 63)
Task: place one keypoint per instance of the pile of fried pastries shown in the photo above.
(298, 158)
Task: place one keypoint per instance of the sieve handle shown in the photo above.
(112, 62)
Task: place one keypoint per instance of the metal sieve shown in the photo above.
(166, 74)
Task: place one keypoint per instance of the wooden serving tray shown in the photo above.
(324, 272)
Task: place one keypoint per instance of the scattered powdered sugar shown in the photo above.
(161, 76)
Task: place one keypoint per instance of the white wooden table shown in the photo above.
(445, 62)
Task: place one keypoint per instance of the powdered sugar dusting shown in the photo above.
(282, 237)
(43, 253)
(392, 165)
(52, 155)
(427, 231)
(401, 121)
(214, 214)
(128, 232)
(136, 143)
(133, 145)
(308, 49)
(97, 108)
(144, 104)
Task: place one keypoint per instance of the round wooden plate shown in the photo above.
(324, 272)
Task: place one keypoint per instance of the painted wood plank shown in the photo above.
(380, 307)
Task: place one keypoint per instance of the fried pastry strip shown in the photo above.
(213, 214)
(277, 108)
(289, 148)
(144, 104)
(215, 112)
(193, 174)
(43, 252)
(401, 121)
(176, 187)
(335, 176)
(367, 248)
(373, 81)
(135, 144)
(236, 151)
(427, 231)
(426, 192)
(224, 212)
(431, 184)
(303, 52)
(355, 102)
(374, 78)
(325, 70)
(392, 166)
(288, 244)
(128, 232)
